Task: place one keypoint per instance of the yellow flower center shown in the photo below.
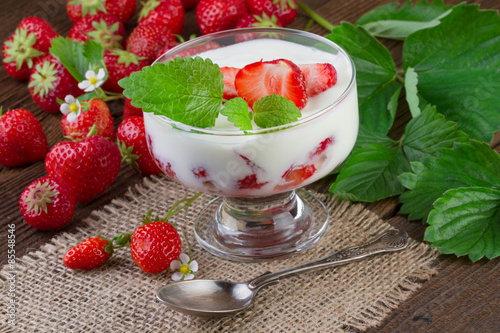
(73, 107)
(93, 80)
(184, 269)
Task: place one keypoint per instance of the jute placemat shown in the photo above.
(119, 297)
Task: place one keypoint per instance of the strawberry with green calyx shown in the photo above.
(47, 203)
(31, 39)
(22, 139)
(284, 10)
(50, 81)
(120, 64)
(166, 13)
(89, 166)
(219, 15)
(105, 29)
(133, 146)
(89, 254)
(93, 113)
(156, 243)
(122, 9)
(261, 21)
(146, 40)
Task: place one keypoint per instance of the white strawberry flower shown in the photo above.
(93, 81)
(184, 267)
(72, 108)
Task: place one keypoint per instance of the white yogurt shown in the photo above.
(230, 163)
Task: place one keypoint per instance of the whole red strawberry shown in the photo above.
(107, 30)
(89, 254)
(47, 203)
(22, 139)
(122, 9)
(166, 13)
(146, 40)
(218, 15)
(31, 39)
(155, 245)
(284, 10)
(120, 64)
(93, 112)
(89, 166)
(130, 111)
(50, 81)
(133, 146)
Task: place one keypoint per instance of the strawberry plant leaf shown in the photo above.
(236, 110)
(389, 21)
(466, 221)
(371, 173)
(378, 91)
(186, 90)
(428, 132)
(275, 110)
(411, 81)
(78, 57)
(458, 72)
(471, 164)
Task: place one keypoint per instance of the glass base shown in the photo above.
(262, 228)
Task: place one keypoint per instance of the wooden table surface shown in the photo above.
(463, 297)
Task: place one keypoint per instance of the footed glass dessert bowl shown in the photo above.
(261, 212)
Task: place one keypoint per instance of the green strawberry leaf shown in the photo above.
(186, 90)
(78, 57)
(275, 110)
(428, 132)
(466, 221)
(411, 81)
(457, 64)
(371, 173)
(236, 110)
(389, 21)
(471, 164)
(378, 91)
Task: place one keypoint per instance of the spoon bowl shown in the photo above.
(216, 298)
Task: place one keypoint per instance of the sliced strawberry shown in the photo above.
(264, 78)
(321, 147)
(229, 88)
(319, 77)
(250, 182)
(294, 176)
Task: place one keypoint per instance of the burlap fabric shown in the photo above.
(119, 297)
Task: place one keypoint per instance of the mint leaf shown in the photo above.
(236, 110)
(378, 91)
(428, 132)
(466, 221)
(78, 57)
(186, 90)
(275, 110)
(457, 64)
(390, 22)
(371, 174)
(471, 164)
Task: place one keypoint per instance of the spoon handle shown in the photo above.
(387, 242)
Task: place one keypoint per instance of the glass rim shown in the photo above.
(238, 132)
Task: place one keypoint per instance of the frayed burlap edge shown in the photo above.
(119, 297)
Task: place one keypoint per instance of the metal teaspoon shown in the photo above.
(214, 298)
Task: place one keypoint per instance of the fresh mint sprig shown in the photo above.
(190, 91)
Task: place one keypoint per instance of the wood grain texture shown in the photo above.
(463, 297)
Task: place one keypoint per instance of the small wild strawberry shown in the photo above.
(22, 139)
(47, 203)
(89, 254)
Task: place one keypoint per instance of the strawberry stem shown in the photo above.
(185, 205)
(312, 14)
